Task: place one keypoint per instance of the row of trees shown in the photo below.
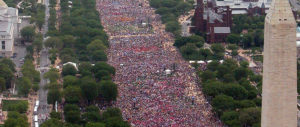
(38, 15)
(80, 36)
(95, 84)
(91, 117)
(7, 69)
(233, 96)
(170, 10)
(192, 48)
(81, 39)
(30, 78)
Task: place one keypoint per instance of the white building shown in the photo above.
(9, 28)
(240, 6)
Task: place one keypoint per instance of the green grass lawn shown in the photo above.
(15, 105)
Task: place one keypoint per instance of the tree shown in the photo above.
(9, 63)
(212, 66)
(197, 40)
(213, 88)
(69, 41)
(188, 50)
(2, 84)
(228, 78)
(223, 70)
(155, 3)
(172, 26)
(236, 91)
(103, 66)
(207, 75)
(246, 104)
(100, 74)
(231, 64)
(28, 70)
(53, 96)
(92, 116)
(250, 116)
(206, 53)
(69, 70)
(183, 7)
(53, 55)
(24, 85)
(95, 125)
(38, 42)
(223, 103)
(232, 47)
(116, 122)
(15, 119)
(72, 94)
(233, 38)
(72, 113)
(240, 73)
(96, 45)
(35, 87)
(52, 123)
(112, 112)
(28, 33)
(231, 118)
(54, 42)
(217, 48)
(52, 75)
(7, 74)
(55, 115)
(247, 40)
(99, 55)
(70, 81)
(85, 69)
(234, 53)
(89, 89)
(67, 55)
(109, 90)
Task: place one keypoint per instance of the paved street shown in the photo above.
(44, 62)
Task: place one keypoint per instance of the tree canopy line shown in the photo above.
(81, 39)
(191, 48)
(170, 10)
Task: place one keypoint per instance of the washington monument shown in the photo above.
(279, 95)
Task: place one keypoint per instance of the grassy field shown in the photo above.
(15, 105)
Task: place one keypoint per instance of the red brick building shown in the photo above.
(214, 21)
(256, 10)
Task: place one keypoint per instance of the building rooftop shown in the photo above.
(233, 4)
(221, 29)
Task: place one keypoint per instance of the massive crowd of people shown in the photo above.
(141, 51)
